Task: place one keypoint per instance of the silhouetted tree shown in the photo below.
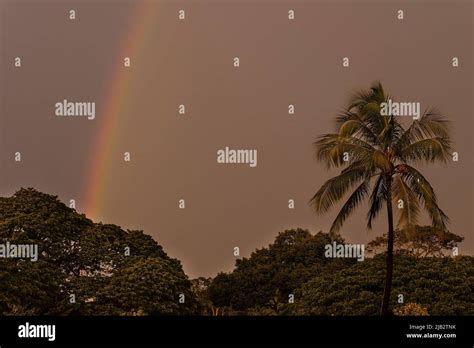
(419, 241)
(376, 148)
(83, 267)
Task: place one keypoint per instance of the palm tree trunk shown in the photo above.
(388, 278)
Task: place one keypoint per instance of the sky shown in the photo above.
(191, 62)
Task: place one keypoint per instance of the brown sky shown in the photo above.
(190, 62)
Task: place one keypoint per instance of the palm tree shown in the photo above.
(377, 153)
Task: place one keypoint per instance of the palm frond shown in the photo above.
(351, 124)
(367, 106)
(425, 193)
(335, 188)
(376, 200)
(427, 150)
(430, 125)
(330, 149)
(411, 209)
(352, 202)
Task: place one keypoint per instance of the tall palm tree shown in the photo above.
(377, 153)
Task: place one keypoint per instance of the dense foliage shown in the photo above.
(420, 241)
(84, 268)
(295, 263)
(264, 281)
(444, 286)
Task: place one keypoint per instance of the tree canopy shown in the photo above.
(84, 267)
(444, 286)
(419, 241)
(87, 268)
(270, 275)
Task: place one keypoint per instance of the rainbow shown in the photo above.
(115, 101)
